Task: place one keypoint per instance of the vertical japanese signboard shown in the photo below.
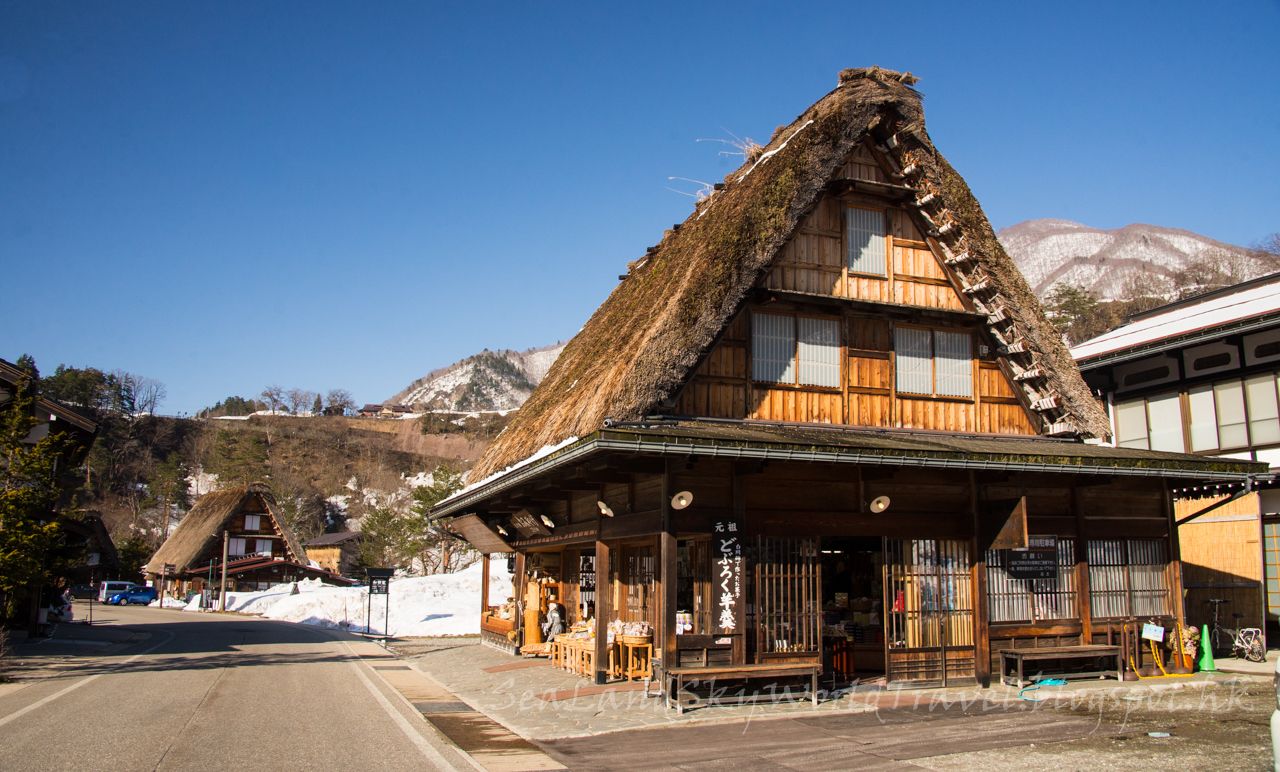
(728, 603)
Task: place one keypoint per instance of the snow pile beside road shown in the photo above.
(442, 604)
(168, 603)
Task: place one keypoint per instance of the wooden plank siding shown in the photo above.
(1223, 549)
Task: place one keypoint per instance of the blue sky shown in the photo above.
(338, 195)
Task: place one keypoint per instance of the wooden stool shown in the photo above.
(635, 660)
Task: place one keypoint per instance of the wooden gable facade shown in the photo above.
(812, 279)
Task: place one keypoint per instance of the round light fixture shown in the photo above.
(681, 500)
(604, 509)
(879, 504)
(502, 531)
(548, 522)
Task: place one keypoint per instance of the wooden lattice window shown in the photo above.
(1129, 577)
(788, 604)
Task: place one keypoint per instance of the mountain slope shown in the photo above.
(1051, 251)
(490, 380)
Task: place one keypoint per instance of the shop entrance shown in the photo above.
(853, 596)
(928, 611)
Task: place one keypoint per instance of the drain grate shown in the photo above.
(442, 707)
(392, 667)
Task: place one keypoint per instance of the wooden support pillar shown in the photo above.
(667, 569)
(1175, 561)
(518, 587)
(484, 585)
(981, 615)
(1084, 599)
(604, 605)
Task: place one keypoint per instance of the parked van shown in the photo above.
(111, 588)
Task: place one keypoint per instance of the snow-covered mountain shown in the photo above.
(1050, 251)
(490, 380)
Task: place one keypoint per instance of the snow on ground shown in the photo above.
(168, 603)
(441, 604)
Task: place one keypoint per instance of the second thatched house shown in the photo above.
(243, 524)
(825, 426)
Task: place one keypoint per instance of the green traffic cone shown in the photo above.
(1206, 651)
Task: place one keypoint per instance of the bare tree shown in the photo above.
(148, 394)
(340, 398)
(299, 399)
(274, 397)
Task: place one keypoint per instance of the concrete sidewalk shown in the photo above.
(537, 701)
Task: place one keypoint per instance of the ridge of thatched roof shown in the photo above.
(203, 526)
(649, 336)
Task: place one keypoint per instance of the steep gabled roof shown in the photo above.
(203, 525)
(650, 334)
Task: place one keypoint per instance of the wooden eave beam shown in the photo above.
(889, 190)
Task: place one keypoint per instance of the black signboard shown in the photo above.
(1039, 562)
(378, 585)
(727, 567)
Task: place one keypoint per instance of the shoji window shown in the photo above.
(1204, 418)
(913, 353)
(933, 362)
(1232, 427)
(1131, 424)
(773, 348)
(819, 352)
(799, 350)
(866, 233)
(1264, 417)
(235, 547)
(263, 546)
(1128, 578)
(1164, 417)
(252, 522)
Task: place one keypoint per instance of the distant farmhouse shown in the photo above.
(336, 552)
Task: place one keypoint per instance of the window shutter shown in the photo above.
(819, 352)
(914, 357)
(953, 362)
(773, 348)
(865, 229)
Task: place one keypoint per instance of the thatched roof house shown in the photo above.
(640, 348)
(198, 538)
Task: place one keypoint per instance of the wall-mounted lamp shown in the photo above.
(681, 500)
(548, 522)
(604, 509)
(502, 530)
(879, 504)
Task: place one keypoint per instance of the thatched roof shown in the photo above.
(202, 528)
(638, 348)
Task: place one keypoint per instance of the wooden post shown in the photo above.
(1175, 558)
(222, 590)
(604, 605)
(518, 588)
(1084, 599)
(484, 585)
(667, 568)
(981, 617)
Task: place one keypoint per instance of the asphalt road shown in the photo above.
(206, 691)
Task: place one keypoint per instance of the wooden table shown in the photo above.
(1020, 656)
(633, 660)
(675, 677)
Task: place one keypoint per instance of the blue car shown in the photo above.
(142, 595)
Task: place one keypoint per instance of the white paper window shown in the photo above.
(953, 364)
(1164, 417)
(819, 352)
(773, 348)
(1232, 431)
(1131, 424)
(865, 228)
(252, 522)
(1264, 417)
(264, 545)
(235, 547)
(913, 355)
(1204, 419)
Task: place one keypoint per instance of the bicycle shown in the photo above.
(1246, 642)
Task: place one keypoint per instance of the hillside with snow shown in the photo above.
(490, 380)
(1052, 251)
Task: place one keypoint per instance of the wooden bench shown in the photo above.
(1020, 656)
(676, 677)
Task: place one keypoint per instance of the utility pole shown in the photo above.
(222, 590)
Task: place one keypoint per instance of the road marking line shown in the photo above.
(78, 684)
(424, 747)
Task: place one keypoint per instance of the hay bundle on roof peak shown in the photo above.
(647, 338)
